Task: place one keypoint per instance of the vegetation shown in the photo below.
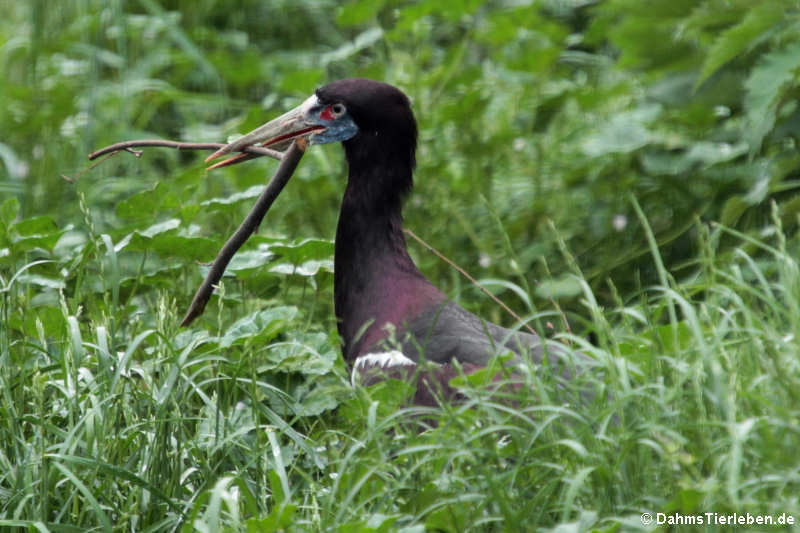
(624, 174)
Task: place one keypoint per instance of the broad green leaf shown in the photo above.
(9, 210)
(359, 12)
(389, 394)
(305, 269)
(451, 518)
(452, 10)
(712, 153)
(148, 233)
(260, 326)
(306, 353)
(317, 401)
(279, 519)
(790, 210)
(50, 318)
(41, 281)
(376, 523)
(40, 225)
(767, 85)
(658, 161)
(741, 37)
(687, 501)
(733, 208)
(759, 188)
(162, 277)
(586, 522)
(363, 40)
(381, 523)
(168, 245)
(35, 232)
(251, 259)
(251, 192)
(667, 335)
(143, 204)
(304, 250)
(308, 395)
(277, 486)
(624, 132)
(70, 244)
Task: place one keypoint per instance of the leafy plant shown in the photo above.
(623, 174)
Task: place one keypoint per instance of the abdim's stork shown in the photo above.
(390, 316)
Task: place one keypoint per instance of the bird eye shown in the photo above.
(332, 112)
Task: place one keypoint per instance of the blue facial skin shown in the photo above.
(341, 129)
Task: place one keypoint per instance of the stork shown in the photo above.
(390, 317)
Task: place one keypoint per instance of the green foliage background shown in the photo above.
(573, 154)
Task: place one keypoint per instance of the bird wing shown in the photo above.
(448, 331)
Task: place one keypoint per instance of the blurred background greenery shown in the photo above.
(648, 147)
(531, 113)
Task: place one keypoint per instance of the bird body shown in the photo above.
(390, 317)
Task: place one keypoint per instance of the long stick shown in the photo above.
(127, 145)
(282, 175)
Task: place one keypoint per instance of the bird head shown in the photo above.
(355, 111)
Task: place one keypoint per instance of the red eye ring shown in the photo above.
(332, 112)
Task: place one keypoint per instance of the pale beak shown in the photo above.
(275, 133)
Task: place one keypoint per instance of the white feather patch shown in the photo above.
(382, 360)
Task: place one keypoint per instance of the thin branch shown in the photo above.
(471, 279)
(90, 167)
(282, 175)
(127, 145)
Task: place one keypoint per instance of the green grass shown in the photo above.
(111, 422)
(623, 175)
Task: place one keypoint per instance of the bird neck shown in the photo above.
(375, 280)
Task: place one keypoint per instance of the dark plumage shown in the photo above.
(375, 281)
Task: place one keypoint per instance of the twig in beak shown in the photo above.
(291, 158)
(255, 151)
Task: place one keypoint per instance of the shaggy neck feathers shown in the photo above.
(375, 279)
